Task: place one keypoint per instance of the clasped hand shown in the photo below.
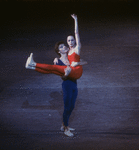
(74, 64)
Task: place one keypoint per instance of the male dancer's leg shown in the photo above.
(67, 96)
(74, 97)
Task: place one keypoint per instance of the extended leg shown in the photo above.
(63, 70)
(47, 72)
(55, 69)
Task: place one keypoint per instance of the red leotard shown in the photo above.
(75, 73)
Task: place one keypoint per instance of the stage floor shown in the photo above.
(106, 114)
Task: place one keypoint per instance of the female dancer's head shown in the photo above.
(71, 41)
(60, 48)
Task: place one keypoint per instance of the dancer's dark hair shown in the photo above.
(56, 47)
(71, 35)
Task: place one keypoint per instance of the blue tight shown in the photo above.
(70, 93)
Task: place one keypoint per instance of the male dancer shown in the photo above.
(69, 87)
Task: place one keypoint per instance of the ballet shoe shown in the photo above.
(62, 128)
(27, 63)
(68, 133)
(30, 64)
(71, 129)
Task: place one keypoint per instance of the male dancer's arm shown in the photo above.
(74, 64)
(57, 62)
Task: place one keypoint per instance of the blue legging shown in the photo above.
(70, 93)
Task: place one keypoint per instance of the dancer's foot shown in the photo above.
(27, 63)
(30, 67)
(62, 128)
(30, 64)
(68, 133)
(71, 129)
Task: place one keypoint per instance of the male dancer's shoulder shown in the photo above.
(60, 63)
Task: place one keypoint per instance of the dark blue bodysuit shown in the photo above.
(70, 93)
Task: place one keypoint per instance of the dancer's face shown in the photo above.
(71, 41)
(63, 49)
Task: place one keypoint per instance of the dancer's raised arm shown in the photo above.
(77, 37)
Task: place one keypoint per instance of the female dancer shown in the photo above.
(73, 69)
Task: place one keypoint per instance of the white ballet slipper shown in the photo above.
(71, 129)
(68, 133)
(27, 63)
(30, 67)
(62, 128)
(30, 63)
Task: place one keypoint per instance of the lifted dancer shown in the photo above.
(72, 70)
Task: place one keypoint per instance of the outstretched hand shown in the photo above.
(55, 61)
(74, 16)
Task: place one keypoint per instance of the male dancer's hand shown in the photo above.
(55, 61)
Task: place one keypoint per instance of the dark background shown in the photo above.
(106, 115)
(56, 15)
